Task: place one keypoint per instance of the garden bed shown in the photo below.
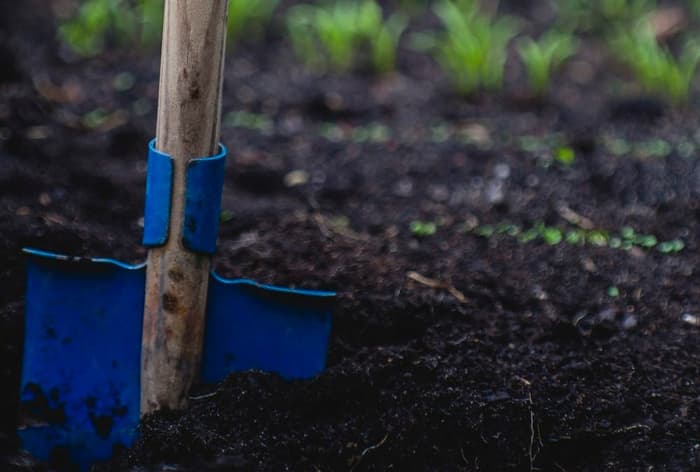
(487, 318)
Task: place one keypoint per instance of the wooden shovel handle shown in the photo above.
(189, 113)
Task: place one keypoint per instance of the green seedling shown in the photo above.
(503, 228)
(627, 233)
(486, 231)
(422, 228)
(532, 144)
(508, 229)
(646, 241)
(225, 216)
(542, 58)
(332, 132)
(597, 238)
(332, 35)
(249, 18)
(617, 146)
(575, 236)
(653, 148)
(668, 247)
(529, 235)
(541, 144)
(441, 133)
(565, 155)
(654, 66)
(686, 148)
(473, 48)
(95, 118)
(253, 121)
(552, 236)
(387, 43)
(613, 292)
(123, 81)
(615, 243)
(371, 133)
(141, 107)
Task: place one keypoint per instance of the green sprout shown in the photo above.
(543, 57)
(249, 17)
(565, 155)
(486, 231)
(552, 235)
(613, 292)
(617, 146)
(98, 23)
(331, 35)
(423, 228)
(371, 133)
(656, 147)
(654, 66)
(253, 121)
(474, 46)
(575, 237)
(668, 247)
(597, 238)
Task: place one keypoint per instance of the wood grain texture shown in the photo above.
(189, 113)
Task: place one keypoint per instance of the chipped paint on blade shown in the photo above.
(80, 379)
(79, 394)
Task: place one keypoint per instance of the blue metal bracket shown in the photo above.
(159, 188)
(203, 188)
(204, 183)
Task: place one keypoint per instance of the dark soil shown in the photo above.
(537, 368)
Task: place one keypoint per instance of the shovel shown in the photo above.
(100, 351)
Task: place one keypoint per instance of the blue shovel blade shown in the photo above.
(79, 392)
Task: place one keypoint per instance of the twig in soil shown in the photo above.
(437, 284)
(574, 218)
(466, 462)
(531, 453)
(204, 396)
(461, 451)
(459, 341)
(631, 428)
(329, 229)
(369, 449)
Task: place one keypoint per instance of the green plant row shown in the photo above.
(138, 23)
(626, 239)
(472, 48)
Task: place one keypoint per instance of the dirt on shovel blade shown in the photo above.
(494, 310)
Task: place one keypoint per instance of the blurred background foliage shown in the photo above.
(653, 44)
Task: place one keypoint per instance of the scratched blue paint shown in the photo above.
(204, 184)
(159, 186)
(80, 378)
(80, 374)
